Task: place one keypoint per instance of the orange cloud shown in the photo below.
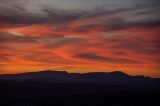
(80, 42)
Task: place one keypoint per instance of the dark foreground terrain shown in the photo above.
(42, 92)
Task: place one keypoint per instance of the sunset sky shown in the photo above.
(80, 36)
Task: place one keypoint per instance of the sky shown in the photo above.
(80, 36)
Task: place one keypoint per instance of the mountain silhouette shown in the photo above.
(116, 77)
(60, 88)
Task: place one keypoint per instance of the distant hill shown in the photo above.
(116, 77)
(59, 88)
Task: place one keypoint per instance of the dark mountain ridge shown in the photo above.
(59, 88)
(116, 77)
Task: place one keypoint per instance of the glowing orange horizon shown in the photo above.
(40, 47)
(80, 36)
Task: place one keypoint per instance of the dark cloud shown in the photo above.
(144, 47)
(19, 15)
(89, 56)
(119, 17)
(119, 53)
(12, 37)
(61, 16)
(41, 56)
(3, 58)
